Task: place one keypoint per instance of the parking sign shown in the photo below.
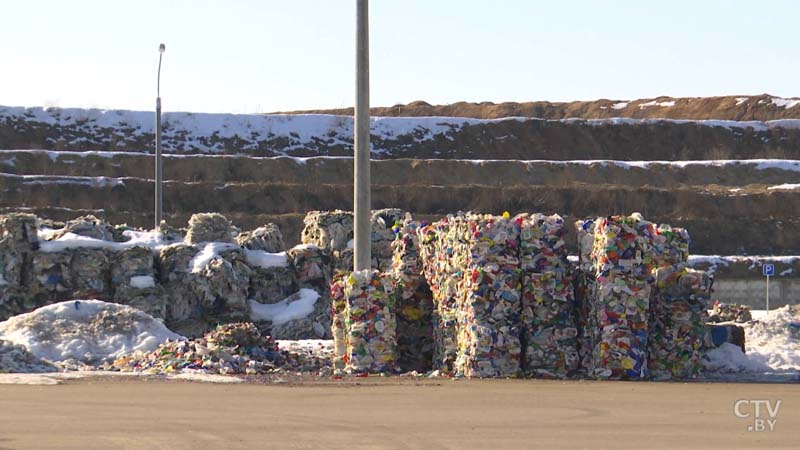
(768, 270)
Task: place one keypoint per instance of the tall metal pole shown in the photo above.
(159, 172)
(361, 192)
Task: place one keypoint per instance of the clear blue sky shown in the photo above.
(269, 55)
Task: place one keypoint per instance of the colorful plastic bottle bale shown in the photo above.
(585, 292)
(548, 318)
(414, 325)
(339, 320)
(671, 245)
(370, 323)
(623, 244)
(541, 243)
(677, 328)
(622, 317)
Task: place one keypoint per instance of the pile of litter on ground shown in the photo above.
(83, 333)
(16, 359)
(236, 348)
(772, 343)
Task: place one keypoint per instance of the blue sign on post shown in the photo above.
(768, 270)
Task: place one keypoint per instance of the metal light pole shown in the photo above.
(159, 173)
(361, 193)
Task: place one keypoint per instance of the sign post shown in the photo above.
(768, 270)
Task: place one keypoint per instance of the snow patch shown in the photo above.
(142, 282)
(294, 307)
(266, 260)
(150, 239)
(785, 186)
(655, 103)
(785, 102)
(620, 105)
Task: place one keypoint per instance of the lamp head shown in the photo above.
(161, 48)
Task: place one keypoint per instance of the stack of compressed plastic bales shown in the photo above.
(414, 301)
(678, 308)
(365, 328)
(333, 231)
(312, 269)
(488, 298)
(18, 240)
(623, 261)
(77, 272)
(438, 247)
(548, 301)
(206, 285)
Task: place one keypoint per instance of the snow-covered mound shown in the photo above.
(85, 331)
(775, 340)
(772, 343)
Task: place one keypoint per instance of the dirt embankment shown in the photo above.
(734, 107)
(504, 139)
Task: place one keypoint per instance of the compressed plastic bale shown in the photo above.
(224, 295)
(267, 238)
(312, 266)
(134, 280)
(52, 277)
(339, 320)
(488, 300)
(175, 273)
(548, 317)
(209, 227)
(670, 245)
(370, 323)
(89, 226)
(271, 284)
(343, 260)
(328, 229)
(90, 271)
(436, 253)
(20, 232)
(383, 225)
(623, 311)
(623, 261)
(541, 243)
(414, 301)
(678, 322)
(586, 315)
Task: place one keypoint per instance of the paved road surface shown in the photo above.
(390, 413)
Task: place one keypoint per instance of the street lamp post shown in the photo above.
(159, 172)
(361, 196)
